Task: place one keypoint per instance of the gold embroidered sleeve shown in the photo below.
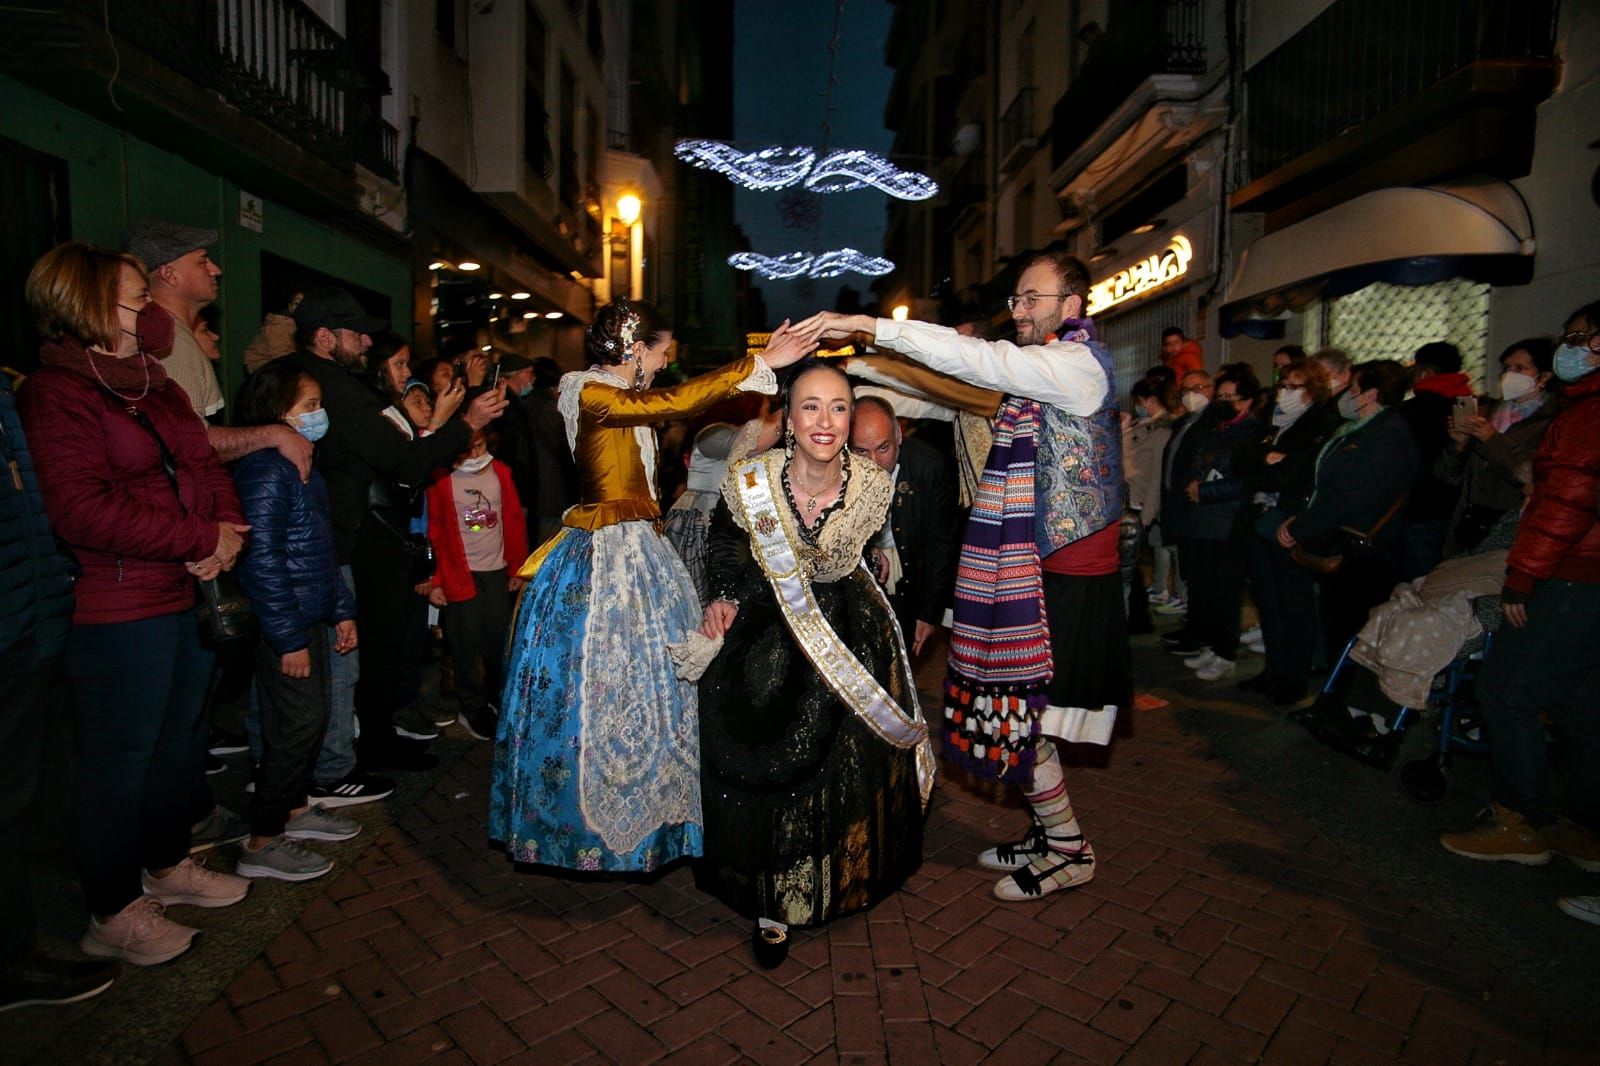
(618, 407)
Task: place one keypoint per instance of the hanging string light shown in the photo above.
(805, 265)
(777, 167)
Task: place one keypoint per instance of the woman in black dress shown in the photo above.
(814, 777)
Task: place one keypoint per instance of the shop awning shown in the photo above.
(1475, 227)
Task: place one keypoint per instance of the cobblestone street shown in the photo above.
(1220, 928)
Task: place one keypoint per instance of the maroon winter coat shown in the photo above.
(1559, 536)
(110, 500)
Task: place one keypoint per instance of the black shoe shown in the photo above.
(771, 946)
(481, 723)
(356, 787)
(214, 765)
(1187, 647)
(397, 754)
(227, 744)
(40, 981)
(1177, 636)
(1262, 682)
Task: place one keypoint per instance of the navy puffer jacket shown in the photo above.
(35, 590)
(289, 568)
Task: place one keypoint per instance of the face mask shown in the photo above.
(1292, 402)
(1349, 406)
(475, 464)
(526, 390)
(313, 425)
(1194, 402)
(154, 329)
(1514, 386)
(1572, 362)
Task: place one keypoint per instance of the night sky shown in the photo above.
(780, 75)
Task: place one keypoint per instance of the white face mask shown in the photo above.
(1292, 402)
(475, 464)
(1514, 385)
(1195, 402)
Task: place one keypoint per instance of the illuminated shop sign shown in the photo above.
(1144, 276)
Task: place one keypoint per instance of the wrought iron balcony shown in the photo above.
(1143, 38)
(1016, 130)
(1361, 58)
(277, 61)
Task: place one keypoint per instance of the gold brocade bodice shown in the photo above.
(614, 484)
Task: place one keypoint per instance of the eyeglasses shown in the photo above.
(1226, 397)
(1026, 300)
(1580, 338)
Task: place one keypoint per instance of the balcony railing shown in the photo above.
(1359, 58)
(1143, 38)
(1016, 130)
(277, 61)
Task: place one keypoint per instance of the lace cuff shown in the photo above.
(693, 655)
(761, 379)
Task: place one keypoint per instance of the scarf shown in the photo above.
(1508, 413)
(118, 375)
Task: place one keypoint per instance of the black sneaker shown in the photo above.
(481, 723)
(221, 826)
(356, 787)
(1188, 647)
(40, 981)
(214, 765)
(225, 744)
(413, 723)
(1177, 636)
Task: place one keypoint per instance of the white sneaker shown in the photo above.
(1217, 669)
(1200, 661)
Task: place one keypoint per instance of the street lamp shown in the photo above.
(901, 313)
(628, 208)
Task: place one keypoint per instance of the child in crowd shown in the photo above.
(291, 574)
(480, 540)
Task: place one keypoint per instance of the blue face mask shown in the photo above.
(313, 425)
(525, 390)
(1572, 362)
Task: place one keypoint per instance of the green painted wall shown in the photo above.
(115, 178)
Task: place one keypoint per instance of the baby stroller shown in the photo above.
(1451, 707)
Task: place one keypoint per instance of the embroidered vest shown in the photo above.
(1078, 483)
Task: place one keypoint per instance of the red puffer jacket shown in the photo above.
(109, 498)
(453, 575)
(1559, 536)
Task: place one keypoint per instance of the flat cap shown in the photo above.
(335, 309)
(158, 242)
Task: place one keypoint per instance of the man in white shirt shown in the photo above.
(1020, 675)
(183, 279)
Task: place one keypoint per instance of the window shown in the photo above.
(535, 119)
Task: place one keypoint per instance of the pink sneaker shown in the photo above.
(191, 883)
(139, 934)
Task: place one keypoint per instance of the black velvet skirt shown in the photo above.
(808, 814)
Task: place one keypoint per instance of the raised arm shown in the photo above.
(614, 406)
(908, 378)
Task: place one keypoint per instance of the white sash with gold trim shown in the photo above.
(834, 662)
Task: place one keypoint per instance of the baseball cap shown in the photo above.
(335, 309)
(158, 242)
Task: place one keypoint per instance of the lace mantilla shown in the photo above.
(843, 537)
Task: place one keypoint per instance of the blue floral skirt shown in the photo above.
(597, 760)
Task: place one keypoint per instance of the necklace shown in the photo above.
(811, 497)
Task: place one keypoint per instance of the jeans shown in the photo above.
(337, 756)
(1551, 666)
(138, 690)
(477, 628)
(1164, 558)
(294, 713)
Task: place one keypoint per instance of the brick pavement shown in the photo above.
(1217, 930)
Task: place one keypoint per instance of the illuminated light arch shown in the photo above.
(779, 167)
(805, 265)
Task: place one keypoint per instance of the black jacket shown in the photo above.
(35, 589)
(363, 446)
(1291, 477)
(1433, 499)
(1360, 477)
(923, 517)
(1188, 432)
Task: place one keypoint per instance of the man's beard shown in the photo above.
(354, 362)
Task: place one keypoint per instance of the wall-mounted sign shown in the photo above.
(1143, 276)
(250, 213)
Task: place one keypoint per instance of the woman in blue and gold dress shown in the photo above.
(597, 761)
